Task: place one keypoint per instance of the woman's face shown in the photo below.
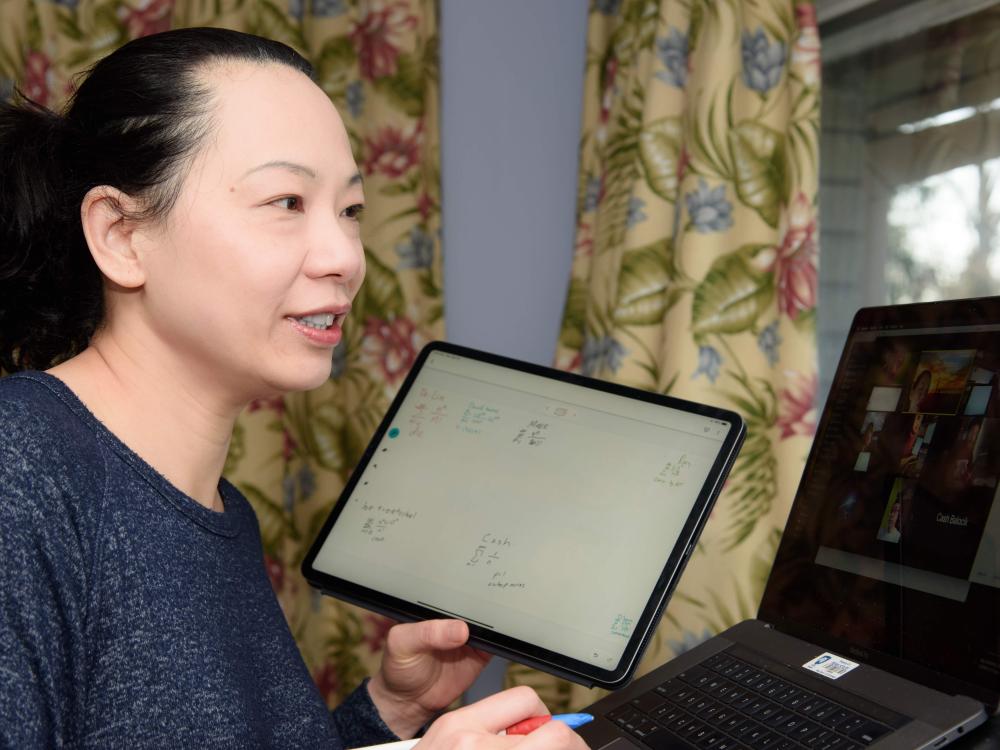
(265, 233)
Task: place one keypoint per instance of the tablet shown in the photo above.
(551, 512)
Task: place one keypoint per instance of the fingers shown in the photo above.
(495, 713)
(553, 735)
(417, 638)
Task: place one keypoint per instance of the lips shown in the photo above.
(321, 326)
(323, 317)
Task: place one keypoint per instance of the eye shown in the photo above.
(355, 211)
(289, 202)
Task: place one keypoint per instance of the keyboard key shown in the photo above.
(624, 715)
(701, 733)
(696, 676)
(867, 733)
(703, 703)
(645, 728)
(749, 728)
(790, 725)
(775, 689)
(822, 711)
(733, 723)
(804, 731)
(667, 713)
(674, 690)
(711, 740)
(837, 717)
(763, 683)
(778, 718)
(819, 738)
(718, 662)
(648, 702)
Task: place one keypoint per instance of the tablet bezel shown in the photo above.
(509, 647)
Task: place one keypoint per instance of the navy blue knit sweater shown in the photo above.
(130, 615)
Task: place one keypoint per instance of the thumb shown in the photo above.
(413, 639)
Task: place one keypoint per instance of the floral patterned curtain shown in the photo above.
(377, 60)
(696, 261)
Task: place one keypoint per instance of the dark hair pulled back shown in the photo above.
(133, 124)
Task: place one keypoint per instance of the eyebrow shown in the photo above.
(355, 179)
(289, 165)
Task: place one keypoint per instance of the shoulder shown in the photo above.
(49, 458)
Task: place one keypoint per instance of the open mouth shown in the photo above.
(321, 321)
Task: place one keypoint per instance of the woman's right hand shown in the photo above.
(478, 726)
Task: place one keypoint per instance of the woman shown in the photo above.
(183, 240)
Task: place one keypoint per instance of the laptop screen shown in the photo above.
(892, 549)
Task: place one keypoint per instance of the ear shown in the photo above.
(112, 237)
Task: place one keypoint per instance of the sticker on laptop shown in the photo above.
(830, 665)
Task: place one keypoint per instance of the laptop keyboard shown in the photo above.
(728, 704)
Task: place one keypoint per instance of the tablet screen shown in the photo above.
(535, 509)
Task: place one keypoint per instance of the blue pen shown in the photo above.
(527, 726)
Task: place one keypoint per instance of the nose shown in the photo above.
(335, 250)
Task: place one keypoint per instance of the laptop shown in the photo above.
(880, 621)
(553, 513)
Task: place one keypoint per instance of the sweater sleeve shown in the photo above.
(43, 564)
(357, 721)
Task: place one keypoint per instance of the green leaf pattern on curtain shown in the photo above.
(695, 264)
(377, 60)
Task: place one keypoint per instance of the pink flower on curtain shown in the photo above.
(393, 151)
(378, 35)
(805, 51)
(797, 405)
(38, 77)
(608, 92)
(146, 17)
(327, 682)
(393, 345)
(795, 264)
(380, 626)
(275, 572)
(275, 404)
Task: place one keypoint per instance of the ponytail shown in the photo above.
(51, 298)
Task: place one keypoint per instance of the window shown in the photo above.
(910, 158)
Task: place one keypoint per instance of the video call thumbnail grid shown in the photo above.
(919, 449)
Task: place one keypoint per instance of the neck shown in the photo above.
(176, 424)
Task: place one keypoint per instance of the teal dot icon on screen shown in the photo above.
(394, 433)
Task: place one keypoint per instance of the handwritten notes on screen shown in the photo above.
(506, 502)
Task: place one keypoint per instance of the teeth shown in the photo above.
(323, 320)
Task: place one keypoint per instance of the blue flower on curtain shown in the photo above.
(417, 251)
(635, 214)
(307, 481)
(768, 342)
(329, 8)
(591, 194)
(339, 361)
(709, 362)
(762, 61)
(598, 354)
(709, 209)
(288, 492)
(607, 7)
(673, 53)
(355, 97)
(297, 9)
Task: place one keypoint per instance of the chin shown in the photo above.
(306, 377)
